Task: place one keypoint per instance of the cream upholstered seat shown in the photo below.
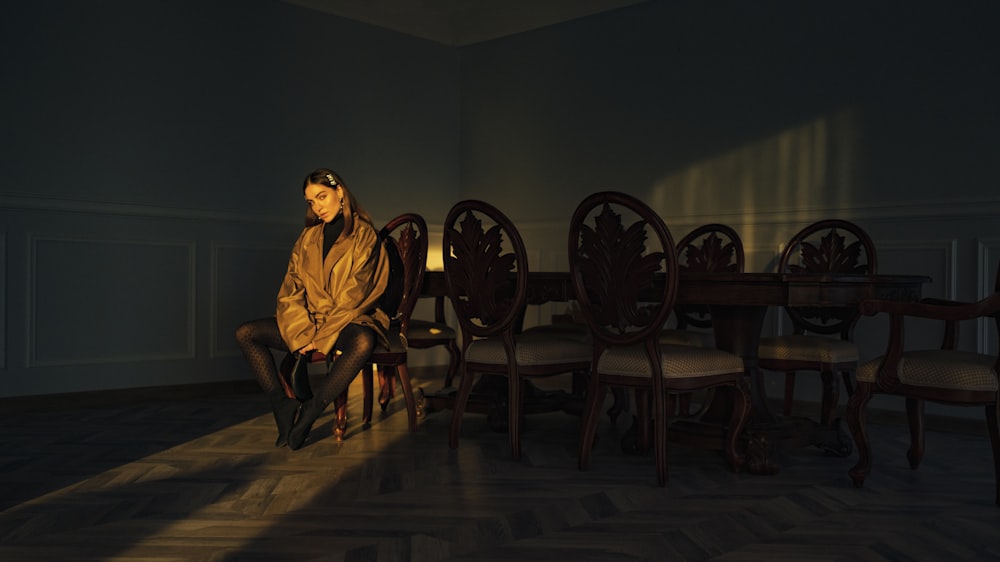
(819, 349)
(625, 277)
(822, 336)
(685, 360)
(947, 375)
(486, 271)
(943, 369)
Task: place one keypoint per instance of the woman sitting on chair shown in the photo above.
(327, 303)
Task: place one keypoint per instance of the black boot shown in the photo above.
(284, 415)
(308, 414)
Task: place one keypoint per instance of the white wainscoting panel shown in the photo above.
(244, 286)
(988, 263)
(106, 301)
(937, 259)
(3, 300)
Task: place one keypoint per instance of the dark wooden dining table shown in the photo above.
(738, 303)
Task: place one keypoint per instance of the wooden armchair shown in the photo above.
(822, 337)
(487, 286)
(615, 263)
(944, 375)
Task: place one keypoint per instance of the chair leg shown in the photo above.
(856, 415)
(285, 374)
(789, 393)
(993, 424)
(340, 425)
(588, 421)
(620, 404)
(367, 377)
(453, 361)
(684, 404)
(411, 403)
(848, 377)
(515, 388)
(915, 417)
(737, 423)
(660, 436)
(644, 420)
(387, 388)
(672, 403)
(829, 398)
(458, 408)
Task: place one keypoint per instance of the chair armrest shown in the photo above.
(941, 302)
(937, 309)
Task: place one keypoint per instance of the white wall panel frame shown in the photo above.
(947, 247)
(3, 300)
(988, 256)
(218, 249)
(32, 358)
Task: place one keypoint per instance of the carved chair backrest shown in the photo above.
(828, 246)
(623, 264)
(409, 232)
(486, 269)
(708, 248)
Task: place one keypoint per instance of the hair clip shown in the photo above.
(333, 182)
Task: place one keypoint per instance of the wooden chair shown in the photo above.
(708, 248)
(945, 375)
(826, 246)
(409, 233)
(487, 286)
(615, 269)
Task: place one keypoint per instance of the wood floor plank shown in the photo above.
(200, 479)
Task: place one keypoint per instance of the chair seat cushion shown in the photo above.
(678, 361)
(531, 349)
(425, 330)
(807, 348)
(686, 337)
(954, 370)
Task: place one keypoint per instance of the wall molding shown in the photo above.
(915, 211)
(949, 248)
(31, 289)
(988, 251)
(216, 248)
(3, 301)
(80, 206)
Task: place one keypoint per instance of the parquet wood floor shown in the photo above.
(196, 478)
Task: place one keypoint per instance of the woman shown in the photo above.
(327, 302)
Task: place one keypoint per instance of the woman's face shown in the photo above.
(325, 202)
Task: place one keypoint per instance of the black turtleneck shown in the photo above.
(331, 231)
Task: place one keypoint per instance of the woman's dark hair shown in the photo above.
(329, 178)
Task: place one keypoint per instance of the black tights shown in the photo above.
(257, 337)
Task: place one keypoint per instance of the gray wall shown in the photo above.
(174, 135)
(150, 185)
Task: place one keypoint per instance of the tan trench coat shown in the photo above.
(319, 297)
